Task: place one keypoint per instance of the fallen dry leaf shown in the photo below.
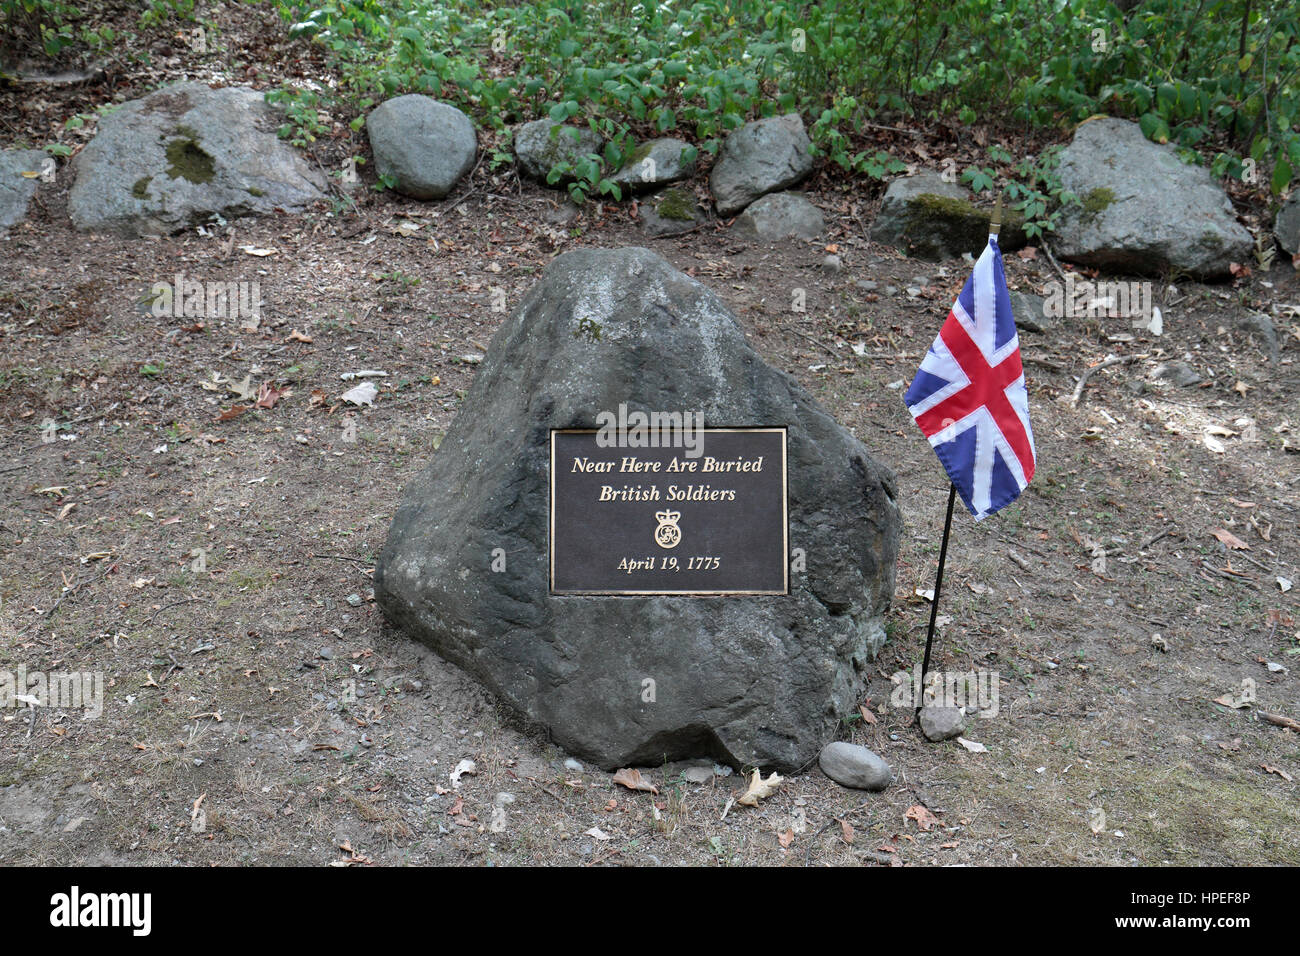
(760, 789)
(1269, 768)
(268, 395)
(846, 831)
(923, 817)
(1230, 540)
(785, 838)
(632, 779)
(1227, 700)
(866, 713)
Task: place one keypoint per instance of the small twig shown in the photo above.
(1280, 721)
(809, 338)
(1258, 564)
(167, 607)
(1043, 363)
(1239, 577)
(1042, 244)
(550, 793)
(1156, 537)
(1088, 373)
(342, 557)
(176, 666)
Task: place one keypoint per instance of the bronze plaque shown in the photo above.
(638, 520)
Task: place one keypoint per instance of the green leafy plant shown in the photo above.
(1217, 76)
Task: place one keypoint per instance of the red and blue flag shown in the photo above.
(969, 396)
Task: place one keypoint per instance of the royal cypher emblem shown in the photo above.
(668, 535)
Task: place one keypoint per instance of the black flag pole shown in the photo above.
(938, 583)
(995, 223)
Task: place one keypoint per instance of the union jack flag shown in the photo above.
(969, 395)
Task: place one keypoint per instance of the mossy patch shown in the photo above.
(254, 191)
(934, 225)
(187, 160)
(141, 188)
(1097, 200)
(676, 204)
(639, 155)
(941, 207)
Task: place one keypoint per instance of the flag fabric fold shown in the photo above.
(969, 397)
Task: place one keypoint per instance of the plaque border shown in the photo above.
(785, 524)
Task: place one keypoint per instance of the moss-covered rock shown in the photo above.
(654, 163)
(184, 154)
(670, 212)
(1141, 209)
(929, 218)
(676, 204)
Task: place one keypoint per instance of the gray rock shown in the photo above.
(670, 213)
(655, 164)
(942, 723)
(781, 216)
(1260, 327)
(184, 154)
(574, 765)
(698, 775)
(1143, 210)
(1029, 313)
(850, 765)
(561, 215)
(17, 190)
(759, 158)
(425, 145)
(1286, 227)
(867, 285)
(832, 264)
(1180, 373)
(928, 218)
(754, 681)
(537, 150)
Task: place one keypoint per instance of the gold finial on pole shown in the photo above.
(995, 223)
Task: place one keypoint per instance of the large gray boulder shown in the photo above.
(928, 218)
(19, 174)
(1143, 210)
(759, 158)
(1286, 227)
(745, 680)
(424, 145)
(654, 164)
(781, 216)
(538, 149)
(183, 154)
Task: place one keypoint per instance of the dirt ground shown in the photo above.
(258, 711)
